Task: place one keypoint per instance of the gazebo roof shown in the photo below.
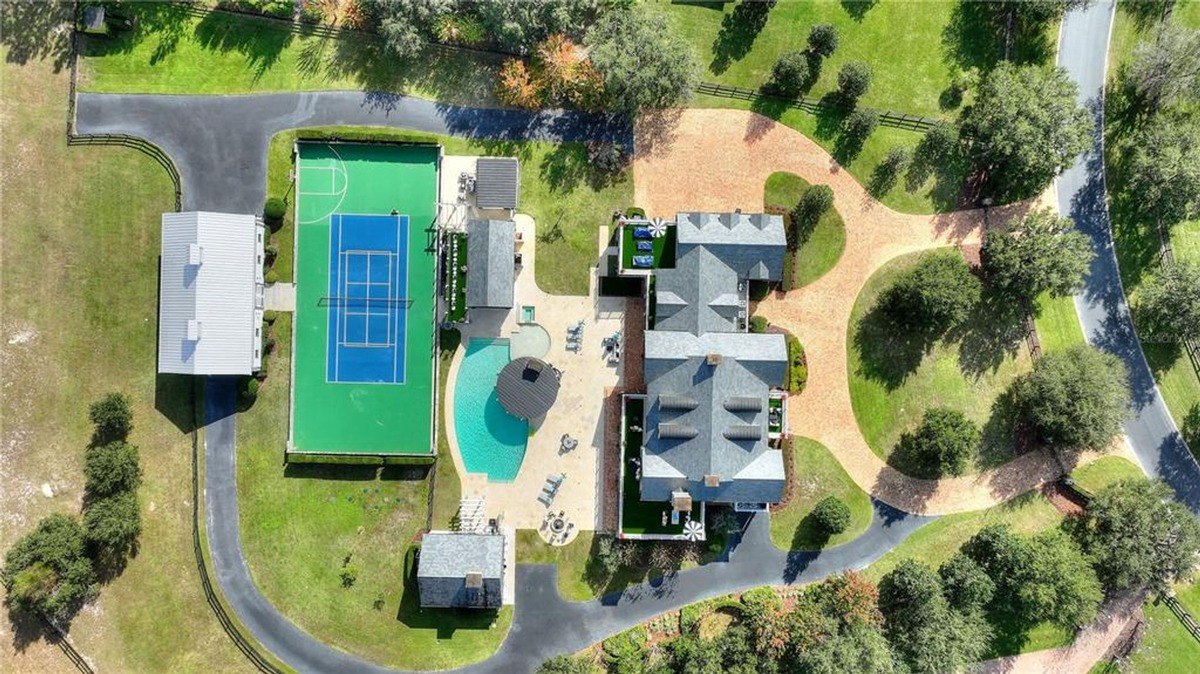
(527, 387)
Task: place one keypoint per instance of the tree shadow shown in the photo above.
(991, 333)
(888, 351)
(36, 31)
(857, 9)
(1001, 437)
(971, 38)
(739, 29)
(261, 48)
(809, 535)
(568, 166)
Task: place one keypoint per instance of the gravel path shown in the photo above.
(719, 160)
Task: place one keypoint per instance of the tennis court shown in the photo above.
(365, 265)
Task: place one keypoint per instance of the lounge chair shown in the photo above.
(556, 480)
(645, 246)
(546, 499)
(642, 233)
(643, 261)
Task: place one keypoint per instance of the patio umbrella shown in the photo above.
(658, 227)
(693, 530)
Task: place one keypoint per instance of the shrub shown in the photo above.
(934, 295)
(823, 39)
(113, 523)
(270, 316)
(789, 74)
(311, 12)
(815, 201)
(853, 80)
(797, 365)
(515, 85)
(608, 158)
(635, 212)
(249, 390)
(943, 443)
(938, 144)
(462, 29)
(1076, 398)
(274, 211)
(831, 515)
(758, 324)
(112, 416)
(271, 276)
(564, 664)
(625, 653)
(47, 570)
(111, 469)
(270, 252)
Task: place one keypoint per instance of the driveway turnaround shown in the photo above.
(1101, 304)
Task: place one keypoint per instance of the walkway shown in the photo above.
(1101, 305)
(682, 176)
(279, 297)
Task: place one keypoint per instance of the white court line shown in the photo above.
(338, 166)
(401, 356)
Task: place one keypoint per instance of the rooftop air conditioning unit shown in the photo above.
(712, 481)
(474, 579)
(714, 359)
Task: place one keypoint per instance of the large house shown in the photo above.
(708, 381)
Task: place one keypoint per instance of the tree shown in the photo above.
(935, 294)
(643, 63)
(111, 468)
(924, 631)
(405, 25)
(965, 583)
(1025, 127)
(1164, 168)
(850, 598)
(831, 515)
(813, 204)
(1169, 303)
(1040, 252)
(860, 649)
(938, 144)
(1075, 398)
(112, 524)
(565, 664)
(943, 443)
(790, 73)
(520, 26)
(764, 617)
(1165, 71)
(823, 39)
(46, 570)
(112, 416)
(564, 75)
(515, 85)
(1138, 535)
(853, 80)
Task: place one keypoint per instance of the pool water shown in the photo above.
(490, 439)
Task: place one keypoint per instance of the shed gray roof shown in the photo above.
(497, 182)
(527, 387)
(490, 265)
(752, 244)
(701, 294)
(446, 560)
(210, 285)
(726, 433)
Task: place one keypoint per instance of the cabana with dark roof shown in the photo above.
(527, 387)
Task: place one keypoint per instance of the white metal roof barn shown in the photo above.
(210, 293)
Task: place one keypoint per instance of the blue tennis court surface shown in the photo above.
(368, 298)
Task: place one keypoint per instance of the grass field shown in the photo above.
(895, 377)
(817, 474)
(1057, 324)
(79, 252)
(1104, 471)
(1137, 242)
(912, 68)
(360, 418)
(821, 248)
(557, 186)
(1166, 646)
(303, 525)
(173, 51)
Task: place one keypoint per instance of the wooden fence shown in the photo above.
(1184, 617)
(814, 105)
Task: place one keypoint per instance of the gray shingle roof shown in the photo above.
(752, 244)
(497, 182)
(491, 270)
(699, 295)
(446, 560)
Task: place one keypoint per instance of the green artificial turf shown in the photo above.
(1104, 471)
(174, 51)
(819, 249)
(354, 418)
(895, 375)
(817, 474)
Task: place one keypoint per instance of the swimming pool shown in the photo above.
(490, 439)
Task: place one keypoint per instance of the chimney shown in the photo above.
(714, 359)
(712, 481)
(474, 580)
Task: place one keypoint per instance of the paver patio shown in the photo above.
(719, 160)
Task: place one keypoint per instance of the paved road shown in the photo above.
(219, 143)
(1101, 305)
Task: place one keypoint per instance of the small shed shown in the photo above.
(461, 570)
(497, 182)
(491, 266)
(527, 387)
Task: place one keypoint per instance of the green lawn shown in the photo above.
(174, 52)
(301, 523)
(1057, 324)
(1136, 241)
(79, 250)
(934, 543)
(558, 186)
(820, 248)
(911, 49)
(895, 377)
(817, 474)
(448, 493)
(1104, 471)
(1166, 646)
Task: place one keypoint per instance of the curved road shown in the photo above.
(1083, 49)
(219, 145)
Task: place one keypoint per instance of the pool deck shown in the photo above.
(579, 410)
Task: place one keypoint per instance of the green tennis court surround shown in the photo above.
(364, 414)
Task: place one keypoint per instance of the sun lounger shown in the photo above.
(643, 261)
(642, 233)
(645, 246)
(546, 499)
(556, 480)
